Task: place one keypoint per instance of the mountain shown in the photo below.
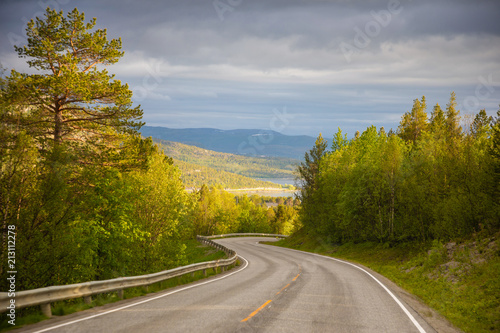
(253, 167)
(241, 141)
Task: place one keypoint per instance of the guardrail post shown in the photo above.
(204, 272)
(119, 293)
(87, 299)
(46, 310)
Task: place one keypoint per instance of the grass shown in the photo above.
(195, 253)
(460, 280)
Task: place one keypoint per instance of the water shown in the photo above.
(280, 181)
(269, 193)
(277, 193)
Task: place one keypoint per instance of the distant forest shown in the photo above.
(254, 167)
(194, 176)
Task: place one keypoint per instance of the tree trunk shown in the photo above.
(58, 124)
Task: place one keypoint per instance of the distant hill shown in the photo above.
(253, 167)
(193, 176)
(241, 142)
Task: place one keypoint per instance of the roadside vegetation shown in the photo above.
(459, 279)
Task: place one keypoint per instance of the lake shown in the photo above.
(280, 181)
(276, 193)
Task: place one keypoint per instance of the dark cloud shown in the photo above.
(333, 63)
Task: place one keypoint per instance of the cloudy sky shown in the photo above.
(295, 66)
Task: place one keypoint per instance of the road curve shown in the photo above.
(274, 290)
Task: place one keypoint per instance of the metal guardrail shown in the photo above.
(245, 235)
(45, 296)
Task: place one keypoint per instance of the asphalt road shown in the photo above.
(274, 290)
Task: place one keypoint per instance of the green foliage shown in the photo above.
(494, 152)
(160, 208)
(414, 122)
(70, 100)
(308, 173)
(453, 128)
(431, 181)
(438, 121)
(219, 212)
(309, 170)
(194, 176)
(89, 199)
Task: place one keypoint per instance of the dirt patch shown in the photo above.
(462, 258)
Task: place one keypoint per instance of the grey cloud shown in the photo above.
(269, 54)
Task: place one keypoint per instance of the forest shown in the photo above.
(85, 195)
(200, 166)
(254, 167)
(436, 177)
(194, 176)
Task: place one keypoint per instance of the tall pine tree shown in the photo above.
(414, 123)
(454, 130)
(71, 100)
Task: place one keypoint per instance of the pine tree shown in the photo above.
(481, 124)
(339, 141)
(438, 120)
(414, 123)
(309, 169)
(71, 101)
(308, 173)
(495, 153)
(454, 130)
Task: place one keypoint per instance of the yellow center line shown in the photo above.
(288, 285)
(257, 311)
(265, 304)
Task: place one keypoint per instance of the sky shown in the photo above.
(294, 66)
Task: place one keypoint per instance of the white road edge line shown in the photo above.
(144, 301)
(413, 320)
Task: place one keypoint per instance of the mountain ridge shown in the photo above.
(245, 142)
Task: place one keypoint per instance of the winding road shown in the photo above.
(274, 290)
